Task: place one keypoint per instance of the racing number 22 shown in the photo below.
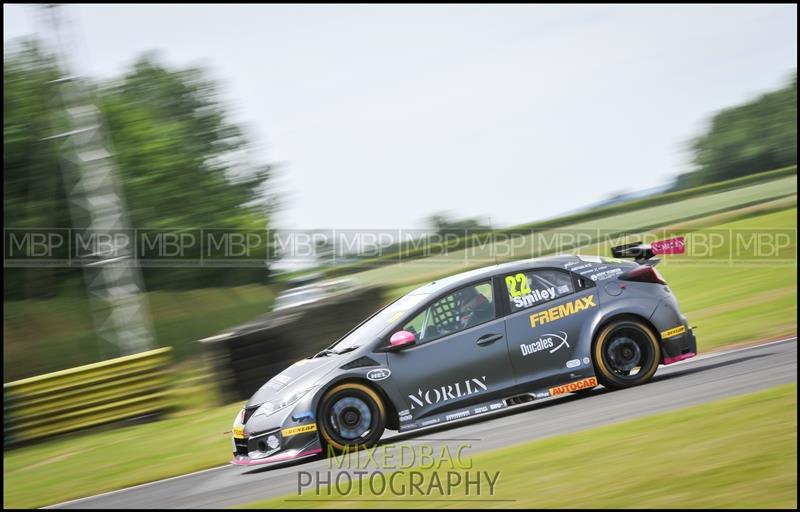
(524, 288)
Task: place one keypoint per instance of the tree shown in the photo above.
(33, 192)
(444, 224)
(181, 163)
(754, 137)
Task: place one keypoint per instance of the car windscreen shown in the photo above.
(373, 327)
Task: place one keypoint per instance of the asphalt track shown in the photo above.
(691, 382)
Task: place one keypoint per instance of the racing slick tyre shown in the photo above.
(351, 415)
(626, 353)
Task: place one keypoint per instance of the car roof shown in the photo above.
(457, 280)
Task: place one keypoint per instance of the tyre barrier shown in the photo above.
(246, 357)
(86, 396)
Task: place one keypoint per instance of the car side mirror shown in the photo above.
(402, 339)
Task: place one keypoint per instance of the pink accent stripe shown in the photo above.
(244, 461)
(670, 360)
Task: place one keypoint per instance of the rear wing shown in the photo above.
(644, 253)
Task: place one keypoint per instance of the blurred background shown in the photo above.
(354, 153)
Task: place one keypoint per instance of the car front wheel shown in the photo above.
(626, 353)
(352, 416)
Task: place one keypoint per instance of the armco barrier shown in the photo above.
(76, 398)
(249, 355)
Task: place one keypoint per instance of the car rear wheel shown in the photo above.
(626, 353)
(352, 416)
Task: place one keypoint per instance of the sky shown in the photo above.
(381, 115)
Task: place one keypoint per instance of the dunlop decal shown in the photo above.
(302, 429)
(669, 333)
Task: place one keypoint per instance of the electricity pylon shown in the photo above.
(97, 207)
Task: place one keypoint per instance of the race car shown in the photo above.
(469, 345)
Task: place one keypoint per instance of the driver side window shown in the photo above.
(460, 310)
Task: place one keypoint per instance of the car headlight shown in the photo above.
(274, 406)
(239, 419)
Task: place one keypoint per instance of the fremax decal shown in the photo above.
(448, 392)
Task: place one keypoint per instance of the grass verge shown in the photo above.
(41, 336)
(736, 452)
(94, 462)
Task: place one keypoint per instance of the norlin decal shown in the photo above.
(448, 392)
(562, 310)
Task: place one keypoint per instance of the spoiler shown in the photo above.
(641, 253)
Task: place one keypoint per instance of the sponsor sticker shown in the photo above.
(238, 432)
(605, 274)
(457, 415)
(586, 360)
(573, 363)
(379, 374)
(545, 341)
(302, 429)
(574, 386)
(670, 333)
(675, 245)
(306, 416)
(562, 310)
(447, 392)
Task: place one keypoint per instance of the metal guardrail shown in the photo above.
(76, 398)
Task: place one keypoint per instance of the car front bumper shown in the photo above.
(276, 438)
(243, 460)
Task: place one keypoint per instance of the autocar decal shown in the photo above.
(574, 386)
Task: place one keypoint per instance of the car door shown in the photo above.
(460, 357)
(547, 311)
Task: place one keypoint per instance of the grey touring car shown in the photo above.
(468, 345)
